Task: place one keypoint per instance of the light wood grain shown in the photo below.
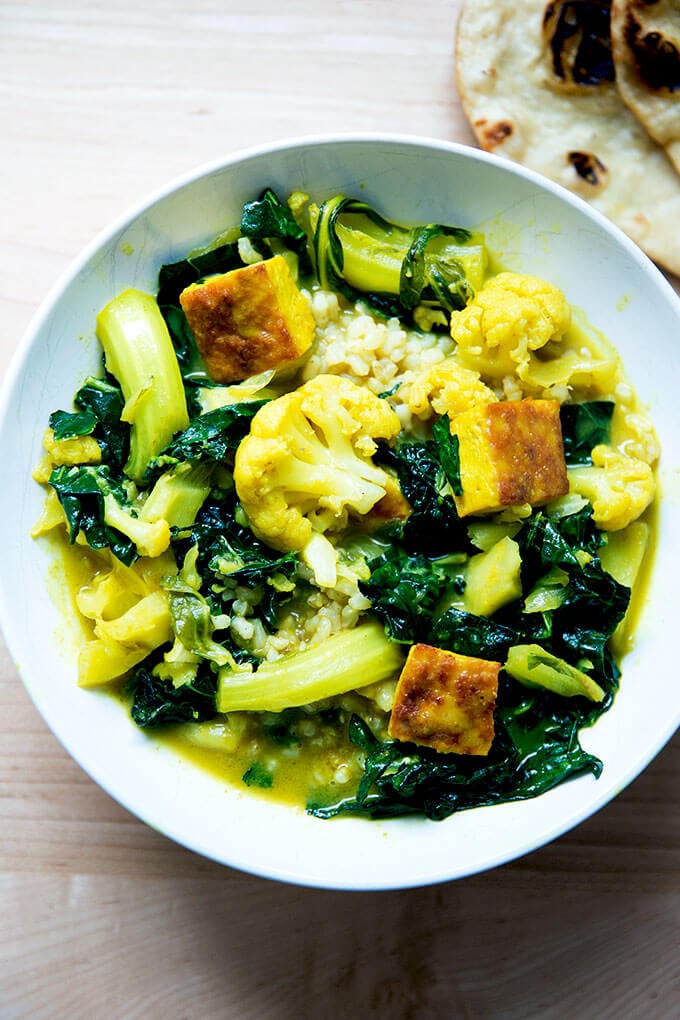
(100, 917)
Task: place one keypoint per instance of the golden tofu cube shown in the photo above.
(248, 320)
(445, 701)
(510, 453)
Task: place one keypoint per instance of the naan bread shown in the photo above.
(537, 83)
(646, 50)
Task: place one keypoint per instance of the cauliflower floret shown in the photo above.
(511, 317)
(305, 466)
(446, 388)
(150, 537)
(619, 487)
(633, 433)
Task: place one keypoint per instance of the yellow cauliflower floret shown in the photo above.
(447, 388)
(633, 433)
(305, 466)
(510, 318)
(618, 487)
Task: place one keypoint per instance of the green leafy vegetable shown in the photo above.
(404, 590)
(268, 218)
(535, 749)
(447, 448)
(467, 634)
(258, 775)
(82, 492)
(69, 425)
(103, 400)
(230, 555)
(433, 525)
(192, 622)
(583, 427)
(211, 436)
(157, 702)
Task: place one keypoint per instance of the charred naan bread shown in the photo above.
(645, 38)
(537, 83)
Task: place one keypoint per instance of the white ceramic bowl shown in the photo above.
(537, 227)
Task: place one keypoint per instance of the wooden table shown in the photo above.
(101, 917)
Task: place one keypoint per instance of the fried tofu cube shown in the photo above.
(248, 320)
(445, 701)
(510, 453)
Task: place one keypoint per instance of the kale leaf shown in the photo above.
(81, 490)
(268, 217)
(212, 436)
(230, 555)
(156, 702)
(100, 405)
(433, 526)
(467, 634)
(535, 748)
(72, 424)
(583, 427)
(258, 774)
(447, 445)
(404, 590)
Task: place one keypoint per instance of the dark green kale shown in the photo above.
(467, 634)
(404, 590)
(82, 491)
(547, 542)
(593, 604)
(583, 427)
(258, 775)
(157, 702)
(433, 526)
(72, 424)
(100, 405)
(447, 445)
(229, 554)
(535, 748)
(212, 436)
(267, 219)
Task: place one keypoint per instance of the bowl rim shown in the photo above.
(605, 793)
(212, 166)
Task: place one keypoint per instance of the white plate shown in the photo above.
(537, 227)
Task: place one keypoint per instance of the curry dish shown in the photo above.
(353, 518)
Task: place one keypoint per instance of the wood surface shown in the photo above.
(101, 917)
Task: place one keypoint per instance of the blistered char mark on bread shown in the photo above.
(536, 81)
(576, 35)
(646, 49)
